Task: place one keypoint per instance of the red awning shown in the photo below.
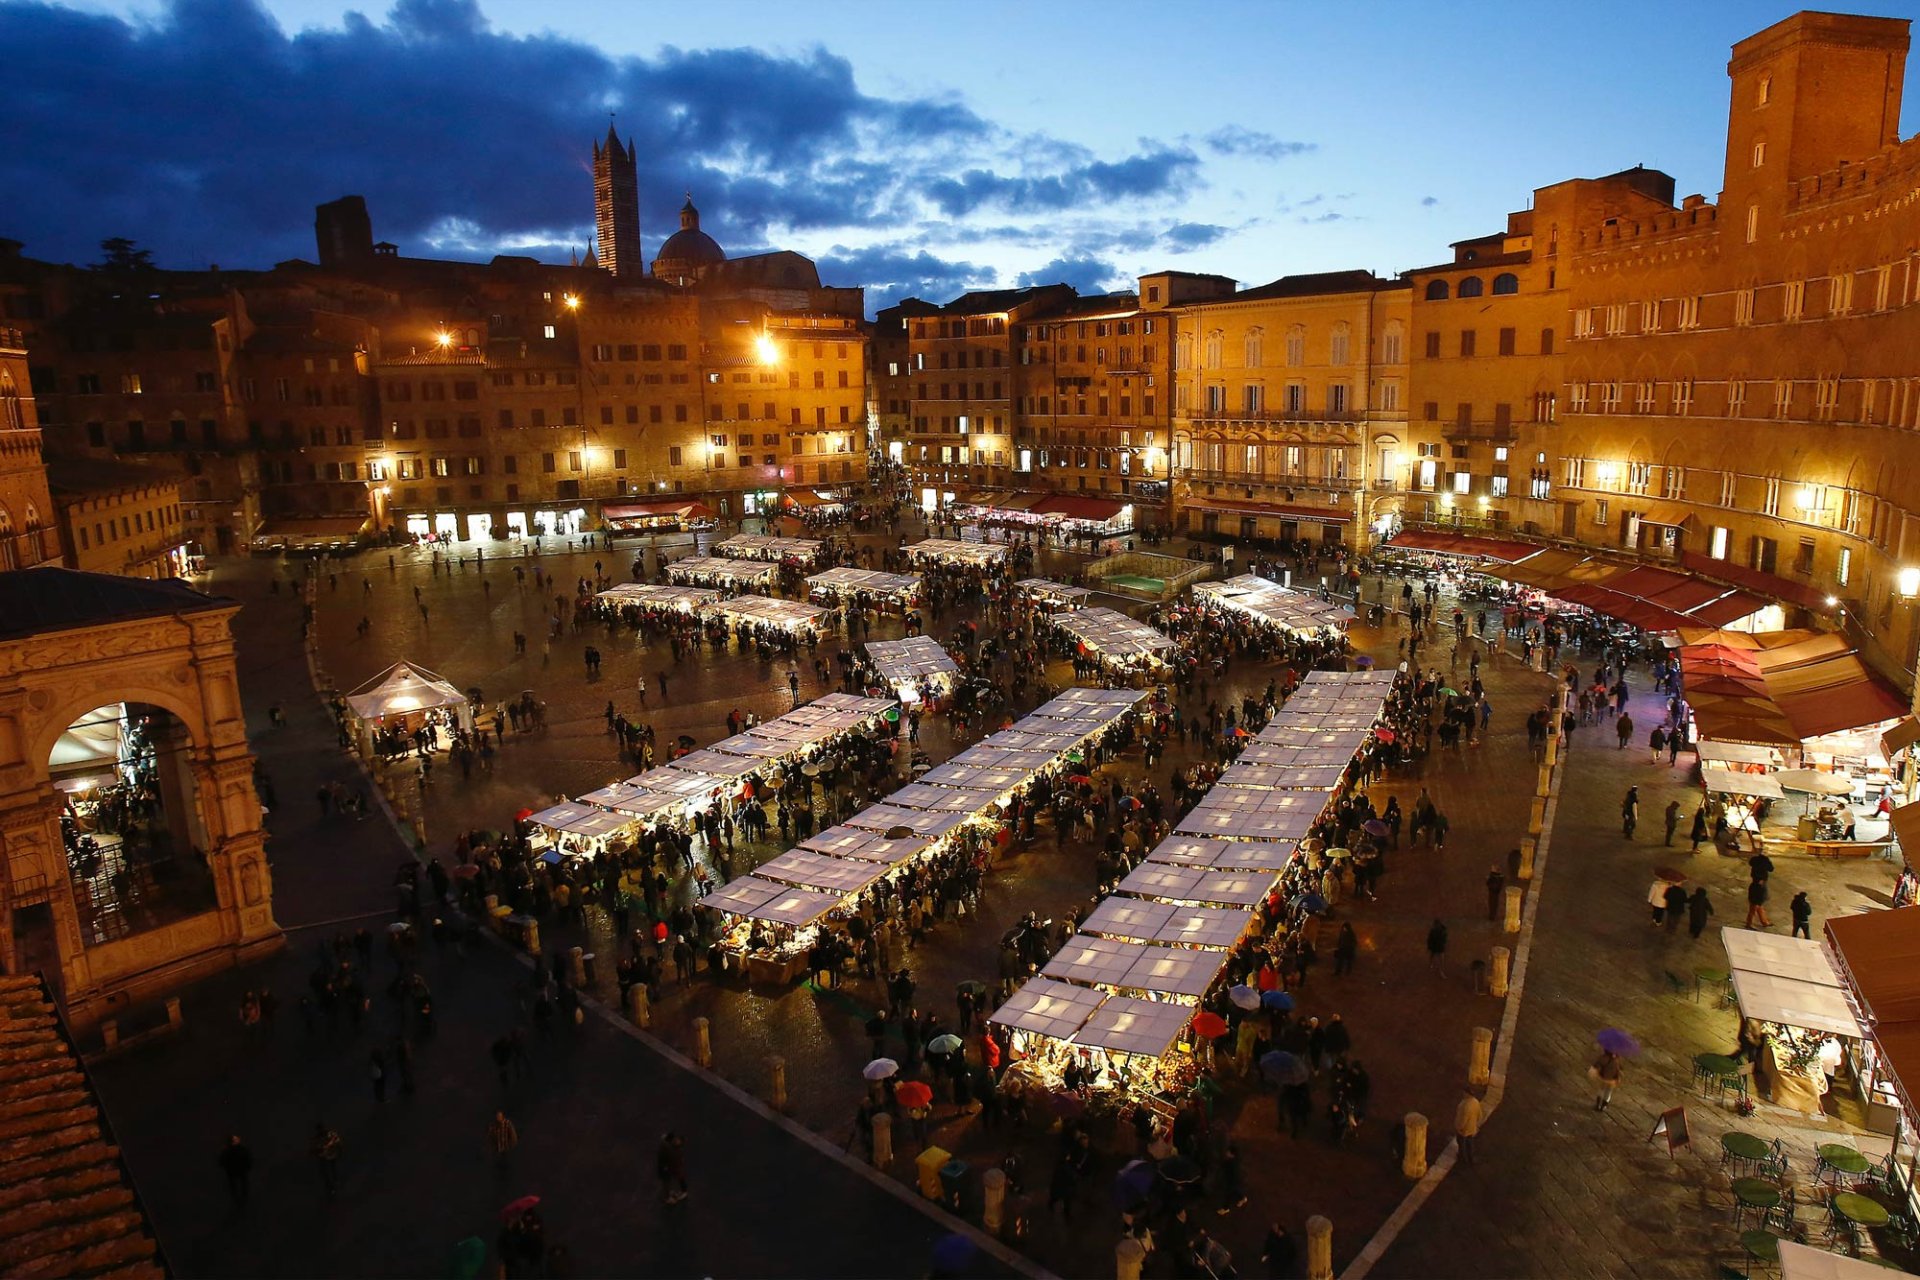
(1279, 511)
(802, 498)
(1732, 608)
(642, 510)
(1076, 507)
(1689, 594)
(1647, 581)
(1460, 544)
(1769, 585)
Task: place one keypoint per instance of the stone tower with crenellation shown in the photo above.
(616, 207)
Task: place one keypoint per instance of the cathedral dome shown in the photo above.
(688, 251)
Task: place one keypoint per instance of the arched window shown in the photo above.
(1470, 287)
(1255, 337)
(33, 517)
(1337, 344)
(1436, 291)
(1210, 354)
(1296, 346)
(1506, 282)
(10, 417)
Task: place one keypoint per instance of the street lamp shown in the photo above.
(443, 339)
(766, 349)
(573, 301)
(1908, 582)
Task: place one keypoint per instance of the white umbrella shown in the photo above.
(881, 1069)
(1814, 781)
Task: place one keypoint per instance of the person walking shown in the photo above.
(671, 1164)
(1496, 892)
(236, 1161)
(326, 1154)
(1345, 950)
(1699, 907)
(1630, 812)
(502, 1137)
(1757, 905)
(1466, 1125)
(1606, 1072)
(1624, 728)
(1676, 905)
(1436, 944)
(1802, 912)
(1699, 831)
(1673, 820)
(1278, 1252)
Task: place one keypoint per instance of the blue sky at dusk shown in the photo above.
(911, 148)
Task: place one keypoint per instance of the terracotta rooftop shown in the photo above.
(67, 1207)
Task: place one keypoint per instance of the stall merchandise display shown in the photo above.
(1114, 638)
(845, 581)
(1052, 595)
(947, 551)
(658, 595)
(720, 572)
(768, 611)
(760, 546)
(906, 666)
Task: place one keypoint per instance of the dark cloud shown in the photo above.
(1427, 202)
(894, 271)
(1236, 140)
(1156, 172)
(208, 132)
(1087, 274)
(1184, 237)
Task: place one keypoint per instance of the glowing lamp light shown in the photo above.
(443, 339)
(573, 301)
(1832, 601)
(1803, 498)
(766, 349)
(1909, 582)
(1605, 472)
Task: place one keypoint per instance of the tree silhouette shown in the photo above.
(123, 257)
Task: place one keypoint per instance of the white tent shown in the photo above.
(1803, 1262)
(759, 546)
(846, 580)
(772, 611)
(401, 690)
(1110, 634)
(1224, 855)
(1095, 960)
(905, 664)
(1128, 1024)
(1047, 1008)
(1122, 917)
(1205, 926)
(1174, 971)
(866, 846)
(811, 870)
(722, 572)
(1053, 594)
(657, 595)
(933, 799)
(947, 551)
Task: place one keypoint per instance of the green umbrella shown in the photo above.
(469, 1258)
(973, 988)
(1449, 693)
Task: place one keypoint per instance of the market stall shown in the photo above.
(1273, 605)
(1113, 639)
(660, 515)
(768, 611)
(870, 585)
(730, 575)
(1790, 985)
(401, 699)
(1876, 955)
(977, 555)
(659, 595)
(1050, 595)
(579, 830)
(915, 668)
(760, 546)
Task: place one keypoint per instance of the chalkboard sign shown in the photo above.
(1673, 1123)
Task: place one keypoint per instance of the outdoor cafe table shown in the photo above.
(1754, 1193)
(1842, 1159)
(1744, 1147)
(1859, 1210)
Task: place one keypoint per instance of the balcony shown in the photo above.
(1229, 417)
(1321, 484)
(25, 550)
(1488, 432)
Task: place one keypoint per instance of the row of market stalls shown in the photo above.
(872, 585)
(724, 773)
(1122, 995)
(1050, 596)
(1649, 597)
(773, 915)
(1072, 515)
(793, 616)
(1115, 641)
(760, 546)
(1274, 605)
(724, 573)
(659, 515)
(916, 668)
(975, 555)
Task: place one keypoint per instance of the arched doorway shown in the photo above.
(130, 820)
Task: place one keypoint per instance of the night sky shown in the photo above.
(912, 148)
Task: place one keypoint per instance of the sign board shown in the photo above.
(1673, 1123)
(1226, 554)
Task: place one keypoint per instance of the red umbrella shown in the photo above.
(1384, 734)
(523, 815)
(466, 872)
(518, 1207)
(1079, 779)
(914, 1093)
(1209, 1024)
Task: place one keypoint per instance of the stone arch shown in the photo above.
(40, 732)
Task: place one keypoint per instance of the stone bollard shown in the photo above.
(1128, 1257)
(1545, 787)
(577, 967)
(702, 1042)
(638, 1007)
(1414, 1163)
(533, 937)
(1537, 818)
(882, 1141)
(1514, 895)
(1480, 1060)
(1553, 748)
(1498, 973)
(174, 1018)
(777, 1067)
(1528, 848)
(993, 1188)
(110, 1033)
(1320, 1244)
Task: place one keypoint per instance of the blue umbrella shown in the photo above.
(1244, 997)
(1616, 1041)
(1133, 1184)
(1364, 662)
(1282, 1067)
(1312, 903)
(952, 1253)
(1278, 1001)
